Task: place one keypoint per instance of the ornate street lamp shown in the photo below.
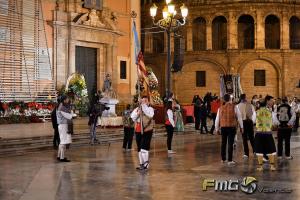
(170, 23)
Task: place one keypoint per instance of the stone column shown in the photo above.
(232, 32)
(285, 32)
(209, 35)
(100, 67)
(109, 59)
(71, 57)
(260, 30)
(113, 70)
(189, 37)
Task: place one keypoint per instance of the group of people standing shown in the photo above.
(139, 122)
(263, 118)
(203, 109)
(256, 119)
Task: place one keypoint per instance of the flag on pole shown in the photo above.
(139, 58)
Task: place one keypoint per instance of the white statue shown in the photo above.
(109, 97)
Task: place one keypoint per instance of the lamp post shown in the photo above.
(169, 23)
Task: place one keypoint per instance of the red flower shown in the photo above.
(5, 106)
(31, 105)
(50, 107)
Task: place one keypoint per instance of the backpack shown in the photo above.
(284, 113)
(249, 111)
(127, 121)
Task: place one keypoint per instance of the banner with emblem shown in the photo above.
(230, 84)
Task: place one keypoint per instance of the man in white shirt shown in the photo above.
(248, 116)
(296, 108)
(143, 130)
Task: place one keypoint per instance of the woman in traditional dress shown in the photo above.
(179, 125)
(264, 141)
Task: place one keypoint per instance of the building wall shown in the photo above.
(112, 48)
(281, 65)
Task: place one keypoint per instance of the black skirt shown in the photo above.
(264, 143)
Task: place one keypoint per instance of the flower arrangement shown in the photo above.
(76, 85)
(22, 112)
(76, 89)
(152, 86)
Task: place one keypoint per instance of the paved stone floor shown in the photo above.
(105, 172)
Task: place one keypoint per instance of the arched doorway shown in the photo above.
(199, 34)
(198, 77)
(294, 33)
(272, 32)
(259, 77)
(246, 32)
(219, 33)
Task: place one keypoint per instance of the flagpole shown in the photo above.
(133, 16)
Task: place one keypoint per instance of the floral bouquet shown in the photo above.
(156, 97)
(153, 82)
(150, 87)
(76, 85)
(77, 89)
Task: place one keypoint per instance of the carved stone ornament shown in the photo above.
(90, 19)
(93, 20)
(108, 19)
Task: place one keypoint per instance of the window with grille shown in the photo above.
(259, 77)
(200, 78)
(93, 4)
(123, 69)
(158, 42)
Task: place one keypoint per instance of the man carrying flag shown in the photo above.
(143, 114)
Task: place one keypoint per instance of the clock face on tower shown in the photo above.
(93, 4)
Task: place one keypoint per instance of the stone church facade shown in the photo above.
(259, 40)
(94, 41)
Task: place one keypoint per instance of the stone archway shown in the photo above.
(185, 81)
(272, 78)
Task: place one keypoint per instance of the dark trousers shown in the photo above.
(170, 130)
(197, 123)
(128, 137)
(284, 134)
(213, 116)
(228, 134)
(143, 141)
(296, 125)
(248, 135)
(203, 124)
(56, 139)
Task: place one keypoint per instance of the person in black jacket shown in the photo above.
(95, 111)
(197, 113)
(286, 117)
(56, 139)
(203, 112)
